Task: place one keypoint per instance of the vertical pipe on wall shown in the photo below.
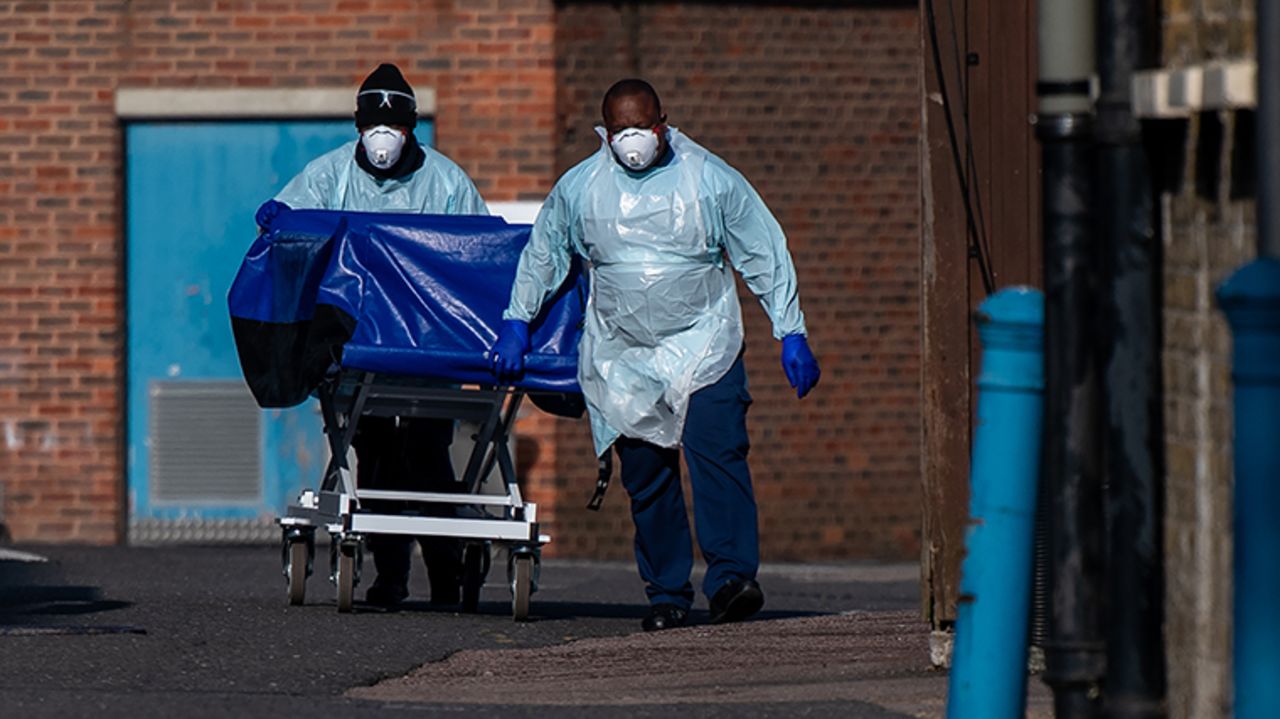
(988, 672)
(1268, 124)
(1074, 654)
(1135, 681)
(1250, 299)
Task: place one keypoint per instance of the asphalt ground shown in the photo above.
(206, 631)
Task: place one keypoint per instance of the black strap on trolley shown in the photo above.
(602, 481)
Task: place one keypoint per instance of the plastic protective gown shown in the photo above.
(334, 181)
(663, 319)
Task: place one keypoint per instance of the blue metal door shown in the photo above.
(203, 461)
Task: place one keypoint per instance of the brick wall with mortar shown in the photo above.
(817, 104)
(491, 63)
(1208, 233)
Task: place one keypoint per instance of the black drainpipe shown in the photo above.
(1268, 124)
(1131, 306)
(1074, 653)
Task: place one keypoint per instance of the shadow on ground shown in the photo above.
(33, 601)
(546, 612)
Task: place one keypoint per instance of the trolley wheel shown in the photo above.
(346, 578)
(474, 568)
(297, 572)
(521, 587)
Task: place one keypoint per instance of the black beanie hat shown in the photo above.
(385, 98)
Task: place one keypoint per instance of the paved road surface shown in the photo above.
(205, 632)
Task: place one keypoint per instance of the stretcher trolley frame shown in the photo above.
(481, 520)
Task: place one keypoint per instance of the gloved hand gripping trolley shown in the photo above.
(399, 310)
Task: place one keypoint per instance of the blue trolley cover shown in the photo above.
(411, 295)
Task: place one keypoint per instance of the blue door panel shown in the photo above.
(192, 189)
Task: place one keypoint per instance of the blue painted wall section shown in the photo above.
(192, 189)
(989, 664)
(1251, 301)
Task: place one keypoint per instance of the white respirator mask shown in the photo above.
(382, 145)
(636, 148)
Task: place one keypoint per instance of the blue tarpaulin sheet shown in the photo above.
(411, 295)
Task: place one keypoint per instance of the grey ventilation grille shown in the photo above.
(204, 442)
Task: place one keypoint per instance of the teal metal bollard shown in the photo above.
(989, 663)
(1250, 298)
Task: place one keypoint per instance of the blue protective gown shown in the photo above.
(334, 181)
(663, 319)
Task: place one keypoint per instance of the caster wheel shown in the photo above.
(297, 572)
(521, 587)
(346, 580)
(346, 571)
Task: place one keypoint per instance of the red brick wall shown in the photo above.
(490, 62)
(818, 106)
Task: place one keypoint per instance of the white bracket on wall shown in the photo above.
(1180, 92)
(1231, 85)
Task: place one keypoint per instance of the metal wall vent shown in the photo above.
(205, 442)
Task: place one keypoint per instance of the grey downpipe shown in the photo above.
(1250, 299)
(1074, 652)
(1134, 447)
(1268, 124)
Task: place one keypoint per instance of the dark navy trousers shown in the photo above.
(715, 448)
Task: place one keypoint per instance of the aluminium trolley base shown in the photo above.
(481, 520)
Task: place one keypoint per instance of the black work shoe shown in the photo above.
(736, 601)
(387, 594)
(664, 616)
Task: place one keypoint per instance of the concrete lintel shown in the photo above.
(138, 103)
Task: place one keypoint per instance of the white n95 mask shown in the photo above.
(382, 145)
(635, 147)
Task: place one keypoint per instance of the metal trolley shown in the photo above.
(482, 520)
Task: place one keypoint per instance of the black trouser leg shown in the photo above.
(375, 445)
(429, 467)
(413, 456)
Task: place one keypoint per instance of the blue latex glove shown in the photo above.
(270, 210)
(508, 352)
(799, 364)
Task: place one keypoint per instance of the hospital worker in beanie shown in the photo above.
(385, 169)
(660, 220)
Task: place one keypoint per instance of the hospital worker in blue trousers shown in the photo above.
(387, 170)
(658, 221)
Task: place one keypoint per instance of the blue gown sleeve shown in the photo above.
(757, 248)
(545, 261)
